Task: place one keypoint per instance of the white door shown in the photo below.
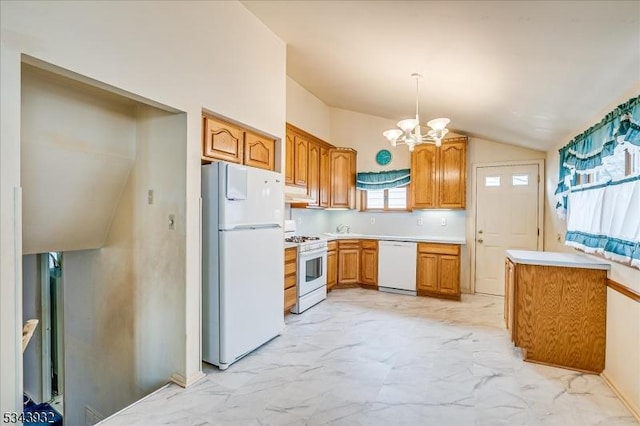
(506, 218)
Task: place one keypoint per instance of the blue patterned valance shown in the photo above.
(592, 150)
(383, 180)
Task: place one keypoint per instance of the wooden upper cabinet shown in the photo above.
(343, 178)
(259, 151)
(289, 163)
(301, 160)
(423, 176)
(222, 141)
(439, 175)
(313, 174)
(452, 182)
(325, 176)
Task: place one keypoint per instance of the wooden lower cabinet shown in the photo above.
(348, 262)
(557, 314)
(290, 277)
(438, 270)
(332, 265)
(369, 263)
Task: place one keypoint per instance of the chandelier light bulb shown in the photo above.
(408, 125)
(438, 123)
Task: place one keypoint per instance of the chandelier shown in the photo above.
(409, 132)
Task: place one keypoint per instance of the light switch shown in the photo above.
(443, 222)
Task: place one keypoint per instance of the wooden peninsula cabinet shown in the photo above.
(555, 308)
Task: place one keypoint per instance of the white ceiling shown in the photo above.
(529, 73)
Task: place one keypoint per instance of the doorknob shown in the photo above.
(480, 231)
(480, 240)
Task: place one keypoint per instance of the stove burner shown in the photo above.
(299, 239)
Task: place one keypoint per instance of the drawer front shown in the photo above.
(290, 254)
(435, 248)
(289, 297)
(347, 244)
(289, 281)
(332, 245)
(369, 244)
(290, 268)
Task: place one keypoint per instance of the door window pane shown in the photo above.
(520, 180)
(492, 181)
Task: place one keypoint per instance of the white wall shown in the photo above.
(307, 112)
(123, 311)
(622, 366)
(78, 147)
(188, 55)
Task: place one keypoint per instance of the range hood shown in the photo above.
(296, 194)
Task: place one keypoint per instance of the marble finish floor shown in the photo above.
(369, 358)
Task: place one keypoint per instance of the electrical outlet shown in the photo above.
(373, 220)
(443, 222)
(420, 221)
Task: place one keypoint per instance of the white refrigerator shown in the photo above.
(242, 260)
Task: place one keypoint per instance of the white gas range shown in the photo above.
(312, 265)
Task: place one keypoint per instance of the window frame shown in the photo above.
(363, 201)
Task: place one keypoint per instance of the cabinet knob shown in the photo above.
(480, 240)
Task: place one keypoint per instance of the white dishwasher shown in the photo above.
(397, 266)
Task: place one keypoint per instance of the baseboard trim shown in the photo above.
(180, 380)
(612, 384)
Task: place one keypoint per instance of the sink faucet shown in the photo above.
(342, 229)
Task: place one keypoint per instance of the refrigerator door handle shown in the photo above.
(241, 227)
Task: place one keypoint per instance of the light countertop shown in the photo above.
(550, 258)
(412, 238)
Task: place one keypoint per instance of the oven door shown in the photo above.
(312, 272)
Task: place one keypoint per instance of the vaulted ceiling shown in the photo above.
(530, 73)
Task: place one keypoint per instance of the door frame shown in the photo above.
(474, 207)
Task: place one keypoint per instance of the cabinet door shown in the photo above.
(332, 269)
(343, 178)
(300, 161)
(449, 275)
(313, 176)
(259, 151)
(348, 266)
(222, 141)
(325, 176)
(453, 174)
(288, 162)
(369, 267)
(427, 277)
(424, 176)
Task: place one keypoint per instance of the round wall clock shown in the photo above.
(383, 157)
